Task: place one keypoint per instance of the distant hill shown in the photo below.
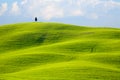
(55, 51)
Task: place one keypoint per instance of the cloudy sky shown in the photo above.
(79, 12)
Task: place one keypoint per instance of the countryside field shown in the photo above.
(55, 51)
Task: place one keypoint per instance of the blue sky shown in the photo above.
(104, 13)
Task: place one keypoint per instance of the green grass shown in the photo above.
(54, 51)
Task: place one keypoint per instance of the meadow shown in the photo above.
(55, 51)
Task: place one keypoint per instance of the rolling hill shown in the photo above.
(55, 51)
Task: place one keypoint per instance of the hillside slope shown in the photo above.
(54, 51)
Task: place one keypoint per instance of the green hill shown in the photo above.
(54, 51)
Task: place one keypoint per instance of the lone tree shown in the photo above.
(36, 19)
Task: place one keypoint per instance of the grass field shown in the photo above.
(54, 51)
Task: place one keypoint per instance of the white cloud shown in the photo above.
(15, 9)
(24, 2)
(48, 9)
(51, 11)
(45, 9)
(77, 13)
(3, 8)
(111, 4)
